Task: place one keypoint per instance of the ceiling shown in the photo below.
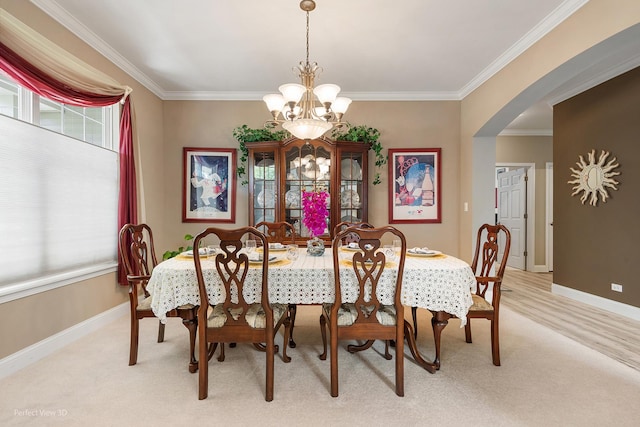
(373, 49)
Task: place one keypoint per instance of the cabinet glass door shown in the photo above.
(308, 168)
(264, 191)
(351, 187)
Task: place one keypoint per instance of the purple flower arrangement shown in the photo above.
(314, 206)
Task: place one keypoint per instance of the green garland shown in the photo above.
(361, 133)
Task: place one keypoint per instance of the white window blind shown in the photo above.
(58, 205)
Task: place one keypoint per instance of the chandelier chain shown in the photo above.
(307, 37)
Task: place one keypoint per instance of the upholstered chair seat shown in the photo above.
(347, 314)
(256, 317)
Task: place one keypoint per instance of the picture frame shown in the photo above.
(415, 194)
(209, 185)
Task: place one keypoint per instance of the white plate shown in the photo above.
(350, 169)
(292, 198)
(266, 199)
(259, 261)
(350, 199)
(430, 253)
(189, 253)
(272, 249)
(266, 163)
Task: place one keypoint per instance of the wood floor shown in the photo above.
(616, 336)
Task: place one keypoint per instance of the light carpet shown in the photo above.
(545, 379)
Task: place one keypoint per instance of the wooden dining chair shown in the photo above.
(138, 257)
(367, 318)
(489, 274)
(236, 318)
(489, 277)
(284, 233)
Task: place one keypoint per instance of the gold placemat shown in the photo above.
(349, 263)
(190, 258)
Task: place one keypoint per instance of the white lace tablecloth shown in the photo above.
(439, 283)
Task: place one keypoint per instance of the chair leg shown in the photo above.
(287, 332)
(270, 369)
(334, 364)
(292, 314)
(133, 347)
(495, 342)
(160, 331)
(323, 331)
(414, 317)
(467, 331)
(387, 355)
(399, 367)
(203, 367)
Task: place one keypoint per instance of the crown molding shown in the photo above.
(608, 74)
(552, 20)
(57, 12)
(526, 132)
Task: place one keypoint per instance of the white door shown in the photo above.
(512, 207)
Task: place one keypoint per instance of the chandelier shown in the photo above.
(307, 112)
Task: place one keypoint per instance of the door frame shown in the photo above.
(549, 216)
(531, 210)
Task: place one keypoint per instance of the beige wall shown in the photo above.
(401, 124)
(538, 150)
(25, 321)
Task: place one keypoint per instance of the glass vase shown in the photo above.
(315, 246)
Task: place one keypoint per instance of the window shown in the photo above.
(58, 192)
(97, 126)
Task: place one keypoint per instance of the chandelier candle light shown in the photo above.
(304, 116)
(314, 206)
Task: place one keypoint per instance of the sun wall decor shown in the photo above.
(593, 179)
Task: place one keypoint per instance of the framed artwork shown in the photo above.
(414, 186)
(209, 185)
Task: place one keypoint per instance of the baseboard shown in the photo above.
(540, 268)
(596, 301)
(41, 349)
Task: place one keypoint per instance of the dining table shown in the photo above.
(440, 283)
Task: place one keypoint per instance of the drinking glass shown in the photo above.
(250, 246)
(397, 245)
(292, 252)
(389, 252)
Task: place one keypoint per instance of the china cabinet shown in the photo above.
(279, 171)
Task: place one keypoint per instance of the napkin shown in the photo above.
(353, 245)
(276, 246)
